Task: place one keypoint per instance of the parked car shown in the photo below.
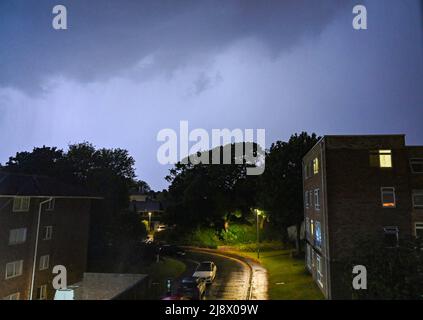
(193, 288)
(171, 250)
(206, 270)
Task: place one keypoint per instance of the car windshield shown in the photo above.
(204, 267)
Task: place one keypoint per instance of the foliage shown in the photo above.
(280, 186)
(210, 195)
(392, 273)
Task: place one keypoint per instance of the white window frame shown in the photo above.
(13, 296)
(307, 203)
(17, 236)
(418, 226)
(416, 193)
(48, 232)
(42, 290)
(18, 204)
(309, 256)
(319, 272)
(44, 262)
(381, 197)
(51, 204)
(411, 166)
(393, 228)
(317, 199)
(17, 269)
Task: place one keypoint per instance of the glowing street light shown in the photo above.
(149, 221)
(258, 213)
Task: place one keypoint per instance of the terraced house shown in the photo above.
(363, 186)
(43, 223)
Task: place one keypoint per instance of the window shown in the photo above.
(21, 204)
(416, 165)
(419, 229)
(381, 158)
(418, 198)
(42, 292)
(44, 262)
(391, 236)
(317, 199)
(312, 228)
(50, 205)
(308, 256)
(17, 236)
(316, 166)
(388, 197)
(13, 296)
(14, 269)
(306, 172)
(318, 235)
(307, 227)
(48, 232)
(307, 203)
(319, 273)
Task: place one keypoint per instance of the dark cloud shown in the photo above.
(108, 38)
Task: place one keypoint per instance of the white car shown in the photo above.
(206, 271)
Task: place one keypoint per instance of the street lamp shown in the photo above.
(258, 212)
(149, 221)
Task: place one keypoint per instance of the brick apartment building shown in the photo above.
(62, 238)
(358, 186)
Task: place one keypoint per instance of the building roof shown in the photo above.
(13, 184)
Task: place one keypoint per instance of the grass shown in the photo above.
(160, 272)
(287, 277)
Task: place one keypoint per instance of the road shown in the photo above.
(235, 279)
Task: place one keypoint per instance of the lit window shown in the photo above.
(419, 229)
(316, 166)
(44, 262)
(17, 236)
(14, 269)
(416, 165)
(42, 292)
(319, 270)
(317, 199)
(388, 197)
(312, 227)
(48, 231)
(418, 198)
(21, 204)
(318, 235)
(13, 296)
(391, 236)
(381, 158)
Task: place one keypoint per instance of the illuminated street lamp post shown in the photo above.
(149, 221)
(258, 233)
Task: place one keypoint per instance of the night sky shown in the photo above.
(124, 70)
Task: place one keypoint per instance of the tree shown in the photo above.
(280, 186)
(210, 194)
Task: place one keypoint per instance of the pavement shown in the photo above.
(237, 278)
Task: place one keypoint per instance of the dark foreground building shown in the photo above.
(368, 186)
(43, 223)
